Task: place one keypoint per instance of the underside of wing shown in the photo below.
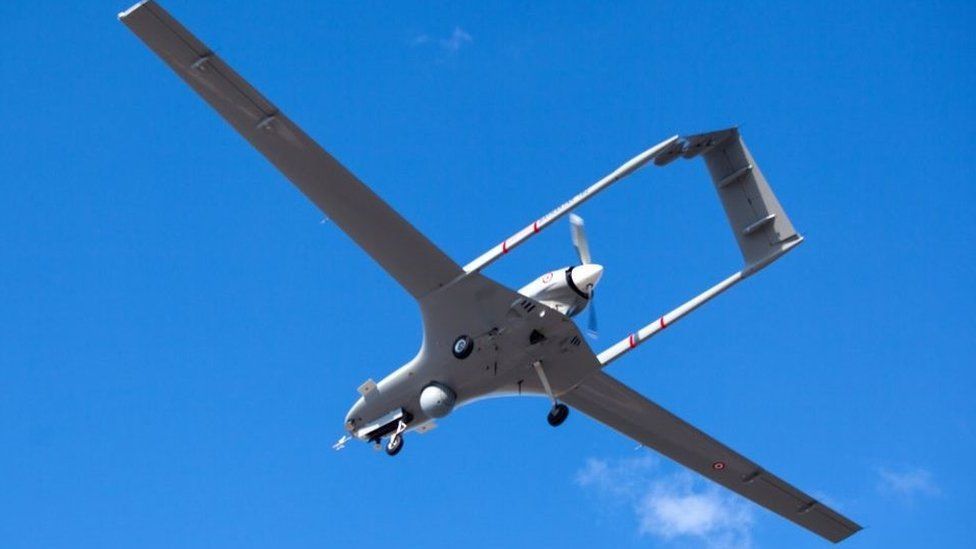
(623, 409)
(415, 262)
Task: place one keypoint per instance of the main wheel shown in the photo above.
(394, 445)
(558, 415)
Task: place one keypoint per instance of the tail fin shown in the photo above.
(758, 221)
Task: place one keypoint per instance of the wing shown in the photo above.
(415, 262)
(620, 407)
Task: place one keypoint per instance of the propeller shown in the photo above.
(591, 325)
(579, 238)
(582, 246)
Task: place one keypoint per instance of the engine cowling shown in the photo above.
(566, 290)
(437, 400)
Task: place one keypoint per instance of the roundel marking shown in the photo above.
(718, 465)
(547, 277)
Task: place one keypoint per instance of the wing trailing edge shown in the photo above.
(619, 407)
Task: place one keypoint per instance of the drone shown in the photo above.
(482, 339)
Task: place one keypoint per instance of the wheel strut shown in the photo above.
(395, 444)
(559, 412)
(545, 380)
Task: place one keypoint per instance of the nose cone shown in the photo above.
(354, 416)
(585, 277)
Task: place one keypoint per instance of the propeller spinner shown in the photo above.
(588, 273)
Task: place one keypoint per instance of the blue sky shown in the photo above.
(180, 337)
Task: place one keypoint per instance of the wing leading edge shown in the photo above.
(612, 403)
(406, 254)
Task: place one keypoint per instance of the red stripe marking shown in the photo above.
(663, 323)
(504, 246)
(535, 226)
(631, 341)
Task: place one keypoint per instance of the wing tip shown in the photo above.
(123, 14)
(849, 533)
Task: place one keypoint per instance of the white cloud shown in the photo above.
(907, 484)
(457, 39)
(451, 44)
(672, 506)
(621, 478)
(682, 505)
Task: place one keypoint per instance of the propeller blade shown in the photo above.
(579, 238)
(591, 324)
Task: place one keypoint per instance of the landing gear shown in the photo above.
(558, 415)
(395, 444)
(559, 411)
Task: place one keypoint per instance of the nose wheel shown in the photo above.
(395, 443)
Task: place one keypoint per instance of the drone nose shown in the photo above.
(586, 276)
(354, 415)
